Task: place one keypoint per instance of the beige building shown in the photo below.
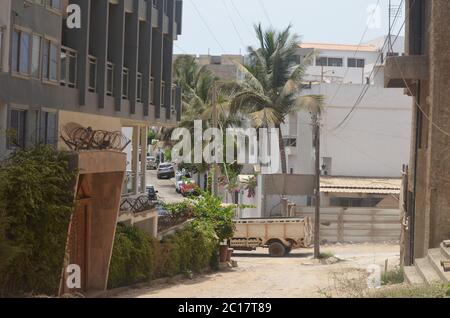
(424, 73)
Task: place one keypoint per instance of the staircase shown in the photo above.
(430, 270)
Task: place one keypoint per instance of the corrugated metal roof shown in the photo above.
(360, 185)
(338, 47)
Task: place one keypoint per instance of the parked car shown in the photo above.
(165, 171)
(152, 164)
(179, 179)
(152, 193)
(189, 188)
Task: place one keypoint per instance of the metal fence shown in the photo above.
(356, 225)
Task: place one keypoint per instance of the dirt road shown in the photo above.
(260, 276)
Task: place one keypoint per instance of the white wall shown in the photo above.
(374, 142)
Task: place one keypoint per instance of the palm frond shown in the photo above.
(310, 103)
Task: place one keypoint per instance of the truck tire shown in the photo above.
(277, 249)
(288, 251)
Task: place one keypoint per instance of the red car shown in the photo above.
(189, 188)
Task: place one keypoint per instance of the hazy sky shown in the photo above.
(331, 21)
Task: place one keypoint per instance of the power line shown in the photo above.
(241, 17)
(367, 86)
(261, 3)
(356, 52)
(207, 26)
(234, 25)
(387, 42)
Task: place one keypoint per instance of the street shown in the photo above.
(165, 188)
(264, 277)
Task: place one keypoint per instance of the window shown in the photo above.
(337, 62)
(110, 79)
(139, 88)
(329, 61)
(21, 52)
(48, 128)
(68, 67)
(321, 61)
(55, 4)
(126, 82)
(16, 129)
(92, 74)
(49, 61)
(358, 63)
(174, 95)
(290, 142)
(36, 56)
(152, 91)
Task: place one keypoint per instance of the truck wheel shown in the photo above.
(276, 249)
(288, 251)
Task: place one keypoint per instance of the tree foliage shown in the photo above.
(36, 200)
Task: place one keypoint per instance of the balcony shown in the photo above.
(405, 70)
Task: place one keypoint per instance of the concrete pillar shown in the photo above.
(131, 52)
(98, 44)
(116, 48)
(438, 191)
(157, 58)
(135, 159)
(144, 150)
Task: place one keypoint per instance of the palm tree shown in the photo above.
(272, 83)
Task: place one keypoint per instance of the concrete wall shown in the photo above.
(375, 142)
(356, 225)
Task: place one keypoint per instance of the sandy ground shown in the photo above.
(260, 276)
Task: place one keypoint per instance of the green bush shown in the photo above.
(133, 258)
(36, 198)
(139, 258)
(209, 209)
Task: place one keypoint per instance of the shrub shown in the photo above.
(395, 276)
(209, 209)
(414, 291)
(133, 258)
(138, 258)
(36, 198)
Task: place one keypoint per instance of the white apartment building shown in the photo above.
(375, 140)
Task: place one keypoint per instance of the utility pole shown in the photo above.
(316, 124)
(215, 124)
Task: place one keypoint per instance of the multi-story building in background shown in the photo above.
(222, 66)
(366, 128)
(114, 71)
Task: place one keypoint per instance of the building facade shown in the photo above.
(424, 73)
(374, 140)
(222, 66)
(113, 70)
